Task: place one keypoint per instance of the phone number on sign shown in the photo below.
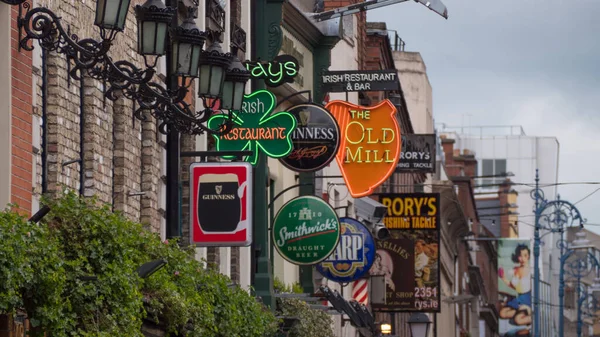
(426, 292)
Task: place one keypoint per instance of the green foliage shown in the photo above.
(311, 322)
(42, 269)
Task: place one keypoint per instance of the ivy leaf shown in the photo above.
(256, 129)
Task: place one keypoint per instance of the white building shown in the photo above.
(504, 149)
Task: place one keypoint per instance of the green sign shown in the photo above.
(306, 230)
(256, 128)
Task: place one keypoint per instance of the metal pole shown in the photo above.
(536, 255)
(561, 295)
(580, 300)
(266, 42)
(173, 166)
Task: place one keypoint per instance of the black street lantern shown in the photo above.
(213, 65)
(187, 42)
(111, 14)
(153, 19)
(419, 324)
(235, 82)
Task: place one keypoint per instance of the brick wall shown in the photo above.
(21, 129)
(120, 155)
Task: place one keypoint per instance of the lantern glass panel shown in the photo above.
(238, 96)
(216, 81)
(228, 95)
(185, 59)
(111, 14)
(419, 329)
(203, 87)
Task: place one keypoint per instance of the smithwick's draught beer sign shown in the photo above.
(256, 129)
(306, 230)
(221, 204)
(353, 255)
(413, 249)
(316, 139)
(370, 144)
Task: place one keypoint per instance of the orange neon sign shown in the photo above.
(370, 144)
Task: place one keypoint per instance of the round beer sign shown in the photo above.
(306, 230)
(353, 256)
(316, 139)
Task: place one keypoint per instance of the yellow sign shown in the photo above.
(370, 144)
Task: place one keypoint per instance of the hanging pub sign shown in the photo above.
(221, 204)
(361, 80)
(418, 153)
(283, 69)
(353, 256)
(316, 139)
(409, 260)
(306, 230)
(370, 144)
(256, 129)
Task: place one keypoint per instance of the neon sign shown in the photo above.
(254, 128)
(370, 145)
(283, 69)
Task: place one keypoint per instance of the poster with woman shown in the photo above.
(514, 287)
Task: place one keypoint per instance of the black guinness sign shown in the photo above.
(316, 139)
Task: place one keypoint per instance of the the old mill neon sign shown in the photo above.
(283, 69)
(371, 144)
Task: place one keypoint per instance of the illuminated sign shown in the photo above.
(306, 230)
(221, 204)
(256, 129)
(316, 139)
(409, 260)
(353, 255)
(281, 70)
(370, 144)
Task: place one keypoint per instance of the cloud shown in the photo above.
(532, 63)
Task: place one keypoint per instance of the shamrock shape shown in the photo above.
(256, 128)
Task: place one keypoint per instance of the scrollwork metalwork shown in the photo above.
(216, 13)
(238, 38)
(123, 78)
(275, 39)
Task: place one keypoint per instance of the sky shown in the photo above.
(532, 63)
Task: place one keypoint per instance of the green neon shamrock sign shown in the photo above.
(254, 128)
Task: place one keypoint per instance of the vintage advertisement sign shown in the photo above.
(306, 230)
(361, 80)
(370, 144)
(256, 129)
(281, 70)
(413, 249)
(221, 204)
(514, 287)
(315, 140)
(353, 255)
(418, 153)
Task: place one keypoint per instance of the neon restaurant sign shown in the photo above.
(283, 69)
(370, 144)
(256, 129)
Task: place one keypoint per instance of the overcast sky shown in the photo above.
(533, 63)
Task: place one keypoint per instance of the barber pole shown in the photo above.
(360, 291)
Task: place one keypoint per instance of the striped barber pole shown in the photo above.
(360, 291)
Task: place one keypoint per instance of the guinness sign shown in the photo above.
(315, 140)
(221, 204)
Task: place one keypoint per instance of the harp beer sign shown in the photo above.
(353, 255)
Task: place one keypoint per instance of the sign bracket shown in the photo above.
(205, 154)
(298, 93)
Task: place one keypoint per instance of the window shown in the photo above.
(491, 168)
